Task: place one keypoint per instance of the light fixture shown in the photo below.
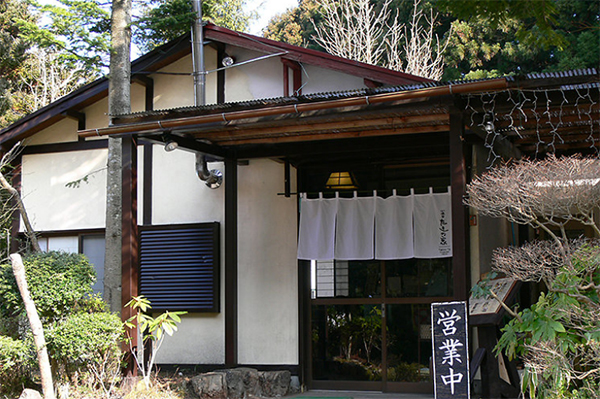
(170, 143)
(227, 61)
(341, 181)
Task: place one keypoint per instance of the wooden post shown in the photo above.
(458, 173)
(231, 262)
(129, 249)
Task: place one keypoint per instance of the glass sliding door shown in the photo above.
(370, 323)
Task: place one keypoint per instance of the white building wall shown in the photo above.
(320, 80)
(179, 196)
(259, 79)
(267, 266)
(62, 131)
(173, 91)
(53, 206)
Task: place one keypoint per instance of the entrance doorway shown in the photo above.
(371, 323)
(367, 323)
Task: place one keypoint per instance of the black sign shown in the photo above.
(450, 350)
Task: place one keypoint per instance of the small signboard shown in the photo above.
(450, 350)
(488, 305)
(487, 310)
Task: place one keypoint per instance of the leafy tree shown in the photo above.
(579, 23)
(488, 46)
(77, 29)
(296, 26)
(480, 49)
(538, 17)
(13, 47)
(48, 51)
(164, 20)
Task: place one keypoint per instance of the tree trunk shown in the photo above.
(17, 197)
(36, 326)
(119, 102)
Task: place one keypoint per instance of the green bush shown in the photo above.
(407, 372)
(58, 281)
(86, 345)
(15, 362)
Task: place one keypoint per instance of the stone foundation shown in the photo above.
(241, 383)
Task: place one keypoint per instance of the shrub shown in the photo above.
(87, 344)
(58, 281)
(15, 362)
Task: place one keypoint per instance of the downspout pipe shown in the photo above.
(198, 55)
(212, 178)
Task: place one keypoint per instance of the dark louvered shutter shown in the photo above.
(179, 267)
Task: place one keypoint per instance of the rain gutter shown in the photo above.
(171, 124)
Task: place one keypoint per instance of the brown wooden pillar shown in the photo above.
(458, 171)
(231, 263)
(129, 248)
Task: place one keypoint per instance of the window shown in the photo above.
(93, 246)
(179, 266)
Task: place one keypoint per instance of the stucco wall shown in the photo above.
(267, 288)
(96, 115)
(173, 91)
(267, 266)
(53, 206)
(62, 131)
(260, 79)
(179, 196)
(319, 80)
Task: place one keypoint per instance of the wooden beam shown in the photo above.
(190, 144)
(298, 126)
(220, 74)
(434, 144)
(333, 135)
(78, 116)
(65, 147)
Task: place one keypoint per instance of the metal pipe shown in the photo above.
(198, 55)
(471, 87)
(213, 178)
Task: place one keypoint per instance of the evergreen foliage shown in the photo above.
(58, 282)
(15, 364)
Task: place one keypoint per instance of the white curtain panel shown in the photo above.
(354, 233)
(360, 228)
(432, 225)
(316, 238)
(394, 228)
